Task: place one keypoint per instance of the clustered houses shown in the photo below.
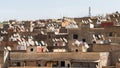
(87, 42)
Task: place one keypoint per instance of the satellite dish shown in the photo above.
(9, 48)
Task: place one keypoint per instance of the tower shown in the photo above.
(89, 11)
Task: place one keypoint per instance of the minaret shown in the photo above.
(89, 11)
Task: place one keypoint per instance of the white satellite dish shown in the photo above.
(9, 48)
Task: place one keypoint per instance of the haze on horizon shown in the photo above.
(42, 9)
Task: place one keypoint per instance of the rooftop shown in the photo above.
(82, 56)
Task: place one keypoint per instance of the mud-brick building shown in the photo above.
(81, 34)
(113, 33)
(114, 51)
(31, 58)
(108, 33)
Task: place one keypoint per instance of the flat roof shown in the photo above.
(81, 56)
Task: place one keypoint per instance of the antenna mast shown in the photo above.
(89, 11)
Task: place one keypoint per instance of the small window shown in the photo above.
(31, 49)
(75, 36)
(68, 65)
(94, 42)
(110, 34)
(84, 40)
(39, 65)
(76, 50)
(62, 63)
(56, 44)
(18, 63)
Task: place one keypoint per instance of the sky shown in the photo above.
(44, 9)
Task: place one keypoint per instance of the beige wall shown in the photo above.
(31, 63)
(83, 33)
(104, 59)
(109, 67)
(34, 48)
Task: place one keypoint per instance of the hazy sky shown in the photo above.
(42, 9)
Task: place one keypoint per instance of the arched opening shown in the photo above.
(76, 50)
(31, 49)
(39, 65)
(68, 65)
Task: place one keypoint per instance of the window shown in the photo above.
(75, 36)
(31, 49)
(68, 65)
(76, 50)
(62, 63)
(56, 44)
(39, 65)
(110, 34)
(94, 42)
(84, 40)
(18, 63)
